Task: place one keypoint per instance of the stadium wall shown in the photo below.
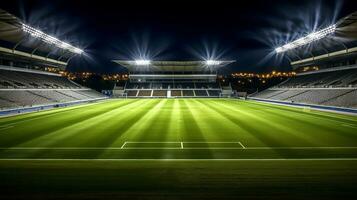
(334, 109)
(16, 111)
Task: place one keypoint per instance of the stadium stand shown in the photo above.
(330, 87)
(19, 78)
(159, 93)
(201, 93)
(23, 98)
(172, 85)
(28, 88)
(176, 93)
(132, 93)
(186, 85)
(213, 93)
(144, 93)
(188, 93)
(172, 79)
(25, 84)
(347, 99)
(326, 71)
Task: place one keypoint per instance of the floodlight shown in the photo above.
(50, 39)
(213, 62)
(142, 62)
(307, 39)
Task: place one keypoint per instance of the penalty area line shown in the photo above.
(241, 145)
(151, 142)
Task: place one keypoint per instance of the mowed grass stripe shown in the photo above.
(283, 132)
(139, 120)
(97, 131)
(29, 130)
(315, 128)
(43, 114)
(310, 129)
(313, 113)
(262, 130)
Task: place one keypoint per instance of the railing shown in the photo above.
(13, 111)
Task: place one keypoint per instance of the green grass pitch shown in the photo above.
(179, 148)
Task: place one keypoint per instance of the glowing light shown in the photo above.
(213, 62)
(50, 39)
(142, 62)
(307, 39)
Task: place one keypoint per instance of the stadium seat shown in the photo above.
(332, 88)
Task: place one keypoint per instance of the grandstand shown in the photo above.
(166, 79)
(173, 138)
(328, 78)
(25, 54)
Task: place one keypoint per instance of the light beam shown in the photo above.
(50, 39)
(307, 39)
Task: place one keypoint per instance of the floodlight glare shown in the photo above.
(50, 39)
(213, 62)
(142, 62)
(307, 39)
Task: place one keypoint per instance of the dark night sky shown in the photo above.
(246, 31)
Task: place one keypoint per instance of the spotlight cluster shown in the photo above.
(50, 39)
(142, 62)
(307, 39)
(213, 62)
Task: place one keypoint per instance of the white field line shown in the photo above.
(60, 148)
(192, 142)
(199, 142)
(123, 145)
(151, 142)
(181, 147)
(265, 148)
(207, 148)
(241, 145)
(179, 159)
(148, 148)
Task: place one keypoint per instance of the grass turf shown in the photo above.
(256, 138)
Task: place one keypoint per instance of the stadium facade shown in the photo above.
(326, 70)
(326, 63)
(25, 55)
(165, 79)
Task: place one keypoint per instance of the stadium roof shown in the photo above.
(344, 37)
(172, 66)
(21, 40)
(348, 25)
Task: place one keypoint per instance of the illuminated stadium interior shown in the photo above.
(172, 79)
(151, 123)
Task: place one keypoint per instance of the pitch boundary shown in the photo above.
(178, 148)
(178, 159)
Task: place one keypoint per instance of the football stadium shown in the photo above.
(175, 129)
